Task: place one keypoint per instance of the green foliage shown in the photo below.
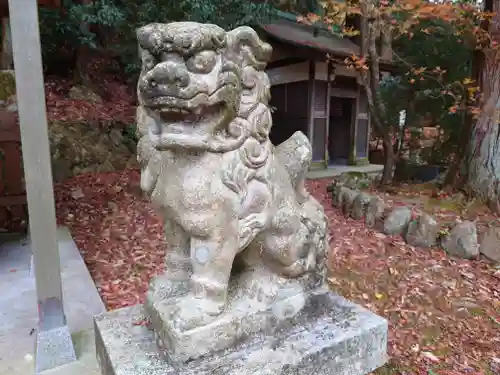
(58, 34)
(98, 13)
(298, 6)
(226, 13)
(395, 92)
(433, 47)
(64, 30)
(130, 132)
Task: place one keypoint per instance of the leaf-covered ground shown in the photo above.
(117, 102)
(444, 313)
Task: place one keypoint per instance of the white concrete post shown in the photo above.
(53, 346)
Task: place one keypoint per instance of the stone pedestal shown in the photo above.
(329, 335)
(259, 302)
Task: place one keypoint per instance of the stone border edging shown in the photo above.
(417, 229)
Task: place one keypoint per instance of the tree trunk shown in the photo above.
(370, 79)
(457, 174)
(484, 158)
(452, 180)
(388, 161)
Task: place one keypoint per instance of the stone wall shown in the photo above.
(78, 146)
(417, 228)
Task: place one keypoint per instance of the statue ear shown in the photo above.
(246, 46)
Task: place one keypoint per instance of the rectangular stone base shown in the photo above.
(54, 348)
(330, 336)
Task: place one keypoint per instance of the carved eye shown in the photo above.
(202, 63)
(148, 60)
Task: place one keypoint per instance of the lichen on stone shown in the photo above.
(81, 147)
(7, 85)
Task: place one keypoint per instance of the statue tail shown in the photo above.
(295, 154)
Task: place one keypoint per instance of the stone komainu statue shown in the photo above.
(226, 193)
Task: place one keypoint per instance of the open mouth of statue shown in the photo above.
(192, 112)
(187, 124)
(176, 114)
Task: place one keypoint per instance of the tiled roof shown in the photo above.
(303, 35)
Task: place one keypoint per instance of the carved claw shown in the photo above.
(301, 266)
(191, 312)
(162, 287)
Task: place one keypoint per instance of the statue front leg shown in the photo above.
(177, 257)
(212, 259)
(177, 272)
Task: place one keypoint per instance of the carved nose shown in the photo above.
(168, 73)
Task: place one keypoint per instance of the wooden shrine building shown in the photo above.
(322, 99)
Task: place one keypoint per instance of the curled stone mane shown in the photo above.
(156, 38)
(251, 159)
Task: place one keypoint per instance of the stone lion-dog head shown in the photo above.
(202, 89)
(199, 83)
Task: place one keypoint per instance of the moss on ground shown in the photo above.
(356, 174)
(390, 369)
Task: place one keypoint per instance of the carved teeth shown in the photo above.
(175, 110)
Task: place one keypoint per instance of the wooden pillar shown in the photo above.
(360, 130)
(328, 94)
(6, 56)
(354, 129)
(54, 346)
(312, 93)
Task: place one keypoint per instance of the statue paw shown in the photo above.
(301, 266)
(163, 287)
(191, 312)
